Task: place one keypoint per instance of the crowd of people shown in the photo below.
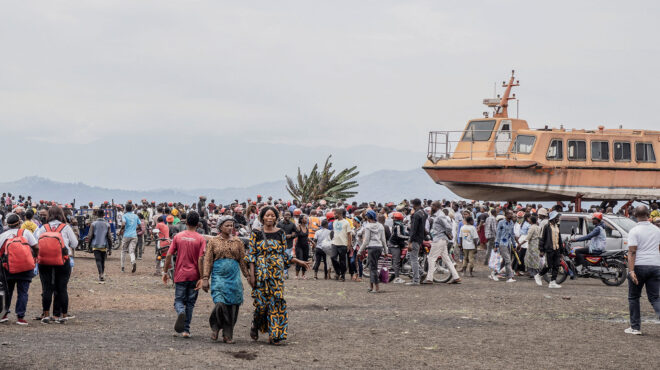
(209, 246)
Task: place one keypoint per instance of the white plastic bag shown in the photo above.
(495, 261)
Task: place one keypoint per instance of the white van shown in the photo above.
(580, 224)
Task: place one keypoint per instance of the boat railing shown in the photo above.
(442, 145)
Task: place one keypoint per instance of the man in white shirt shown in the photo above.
(468, 240)
(643, 267)
(341, 239)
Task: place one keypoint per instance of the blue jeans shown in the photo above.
(21, 295)
(185, 297)
(414, 260)
(649, 276)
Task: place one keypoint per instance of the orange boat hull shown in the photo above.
(547, 184)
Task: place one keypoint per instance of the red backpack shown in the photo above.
(52, 250)
(17, 256)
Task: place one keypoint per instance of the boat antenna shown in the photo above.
(501, 109)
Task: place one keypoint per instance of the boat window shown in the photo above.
(556, 150)
(600, 151)
(622, 151)
(479, 130)
(644, 152)
(577, 150)
(524, 144)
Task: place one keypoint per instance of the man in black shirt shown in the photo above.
(417, 234)
(289, 228)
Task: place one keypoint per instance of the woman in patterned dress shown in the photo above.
(223, 263)
(533, 257)
(267, 260)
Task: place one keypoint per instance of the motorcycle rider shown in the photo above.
(416, 238)
(396, 243)
(441, 232)
(598, 239)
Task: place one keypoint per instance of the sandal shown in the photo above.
(275, 342)
(227, 340)
(214, 335)
(254, 333)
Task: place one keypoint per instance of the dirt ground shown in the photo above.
(128, 323)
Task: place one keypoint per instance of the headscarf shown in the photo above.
(224, 219)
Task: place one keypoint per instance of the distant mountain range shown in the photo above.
(380, 186)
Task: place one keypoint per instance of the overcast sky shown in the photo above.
(337, 74)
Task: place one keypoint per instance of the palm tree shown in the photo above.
(323, 184)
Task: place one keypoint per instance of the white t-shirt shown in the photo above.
(468, 234)
(341, 230)
(31, 240)
(647, 239)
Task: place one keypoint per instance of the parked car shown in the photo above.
(616, 227)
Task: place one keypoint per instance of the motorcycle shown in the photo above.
(441, 274)
(609, 266)
(161, 254)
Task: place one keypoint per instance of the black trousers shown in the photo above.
(340, 268)
(373, 255)
(319, 255)
(54, 282)
(139, 248)
(579, 255)
(302, 253)
(100, 257)
(396, 260)
(520, 267)
(552, 259)
(21, 295)
(224, 317)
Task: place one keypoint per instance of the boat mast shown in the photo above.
(501, 109)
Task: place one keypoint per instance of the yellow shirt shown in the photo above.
(29, 225)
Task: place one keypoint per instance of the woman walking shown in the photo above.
(57, 242)
(100, 239)
(267, 261)
(533, 255)
(224, 261)
(373, 240)
(302, 244)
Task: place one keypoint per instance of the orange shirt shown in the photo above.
(314, 225)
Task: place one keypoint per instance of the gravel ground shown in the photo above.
(128, 323)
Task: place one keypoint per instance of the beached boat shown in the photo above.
(501, 158)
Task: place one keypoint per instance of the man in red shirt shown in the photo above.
(189, 247)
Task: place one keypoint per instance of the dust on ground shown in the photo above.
(128, 323)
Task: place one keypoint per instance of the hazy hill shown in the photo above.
(379, 186)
